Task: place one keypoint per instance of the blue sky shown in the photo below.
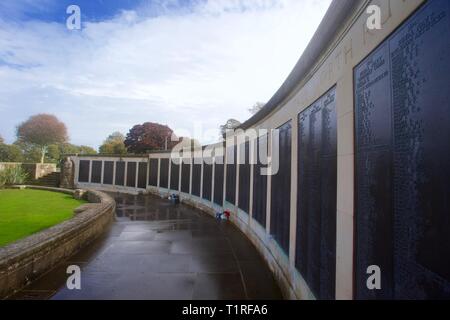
(93, 10)
(188, 64)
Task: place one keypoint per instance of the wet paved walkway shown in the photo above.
(156, 250)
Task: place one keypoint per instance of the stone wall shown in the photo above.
(34, 170)
(5, 165)
(25, 260)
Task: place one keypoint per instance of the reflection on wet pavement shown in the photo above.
(157, 250)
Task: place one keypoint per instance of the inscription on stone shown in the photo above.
(153, 173)
(218, 180)
(131, 174)
(164, 173)
(281, 190)
(120, 173)
(108, 172)
(260, 183)
(244, 177)
(316, 207)
(83, 174)
(142, 175)
(174, 175)
(207, 180)
(96, 174)
(230, 192)
(185, 176)
(403, 160)
(196, 177)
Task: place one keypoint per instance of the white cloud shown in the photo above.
(205, 65)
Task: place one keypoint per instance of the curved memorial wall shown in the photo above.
(361, 179)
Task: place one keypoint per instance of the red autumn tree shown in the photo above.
(42, 130)
(149, 136)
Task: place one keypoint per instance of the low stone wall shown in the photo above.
(4, 165)
(34, 170)
(25, 260)
(38, 170)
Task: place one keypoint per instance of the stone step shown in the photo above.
(49, 180)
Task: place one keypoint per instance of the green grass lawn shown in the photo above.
(24, 212)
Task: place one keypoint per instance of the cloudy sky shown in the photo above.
(188, 64)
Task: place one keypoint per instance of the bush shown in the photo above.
(12, 175)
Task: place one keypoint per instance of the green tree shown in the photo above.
(86, 150)
(55, 151)
(30, 152)
(114, 144)
(41, 131)
(68, 148)
(10, 153)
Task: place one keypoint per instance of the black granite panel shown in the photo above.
(142, 175)
(402, 106)
(83, 173)
(131, 174)
(185, 177)
(244, 177)
(281, 190)
(315, 254)
(164, 173)
(196, 176)
(153, 173)
(174, 175)
(259, 209)
(120, 173)
(230, 192)
(108, 172)
(207, 180)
